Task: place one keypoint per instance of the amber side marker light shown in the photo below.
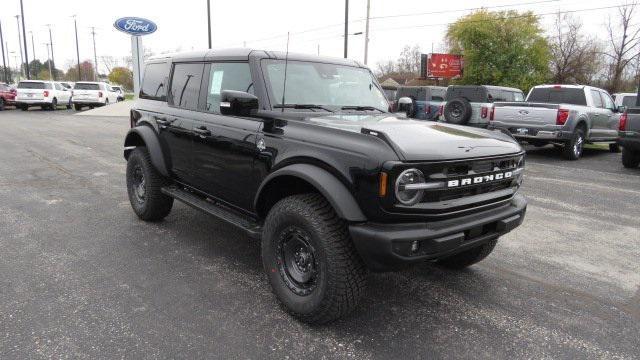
(382, 190)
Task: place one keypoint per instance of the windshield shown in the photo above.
(327, 85)
(87, 86)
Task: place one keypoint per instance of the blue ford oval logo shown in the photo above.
(135, 25)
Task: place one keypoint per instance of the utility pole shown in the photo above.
(95, 57)
(53, 62)
(24, 38)
(6, 44)
(33, 46)
(4, 60)
(75, 24)
(49, 61)
(346, 27)
(366, 34)
(209, 21)
(19, 43)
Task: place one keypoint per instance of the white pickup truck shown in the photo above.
(564, 115)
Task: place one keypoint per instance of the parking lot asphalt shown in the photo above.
(82, 277)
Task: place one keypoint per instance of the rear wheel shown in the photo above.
(144, 184)
(54, 104)
(614, 148)
(310, 260)
(469, 257)
(573, 148)
(24, 107)
(630, 159)
(1, 104)
(77, 107)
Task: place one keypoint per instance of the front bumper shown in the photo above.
(385, 247)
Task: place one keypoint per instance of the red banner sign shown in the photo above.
(444, 65)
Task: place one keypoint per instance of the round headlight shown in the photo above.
(409, 196)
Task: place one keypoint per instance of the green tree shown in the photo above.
(86, 69)
(504, 48)
(122, 76)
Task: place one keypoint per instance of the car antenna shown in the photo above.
(286, 60)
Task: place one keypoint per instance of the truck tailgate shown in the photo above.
(525, 114)
(633, 119)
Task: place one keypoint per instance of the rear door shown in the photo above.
(224, 147)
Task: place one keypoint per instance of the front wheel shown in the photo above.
(24, 107)
(310, 260)
(1, 104)
(614, 148)
(77, 107)
(144, 184)
(469, 257)
(573, 148)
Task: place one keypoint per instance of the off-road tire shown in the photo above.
(155, 205)
(468, 257)
(614, 148)
(341, 275)
(630, 159)
(573, 148)
(77, 107)
(457, 111)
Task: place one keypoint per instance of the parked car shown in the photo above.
(629, 137)
(326, 178)
(120, 93)
(92, 94)
(625, 99)
(565, 115)
(48, 95)
(471, 104)
(7, 96)
(420, 102)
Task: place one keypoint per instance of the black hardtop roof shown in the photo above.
(492, 87)
(244, 54)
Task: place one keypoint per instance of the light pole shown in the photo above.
(19, 43)
(209, 21)
(4, 60)
(366, 34)
(53, 62)
(33, 46)
(346, 27)
(75, 24)
(24, 38)
(95, 57)
(49, 61)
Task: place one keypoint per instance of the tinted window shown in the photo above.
(32, 85)
(185, 85)
(154, 82)
(471, 93)
(86, 86)
(629, 101)
(437, 94)
(595, 96)
(227, 76)
(558, 95)
(607, 102)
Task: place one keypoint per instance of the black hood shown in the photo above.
(415, 140)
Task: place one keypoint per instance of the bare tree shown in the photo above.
(409, 60)
(385, 68)
(574, 57)
(624, 38)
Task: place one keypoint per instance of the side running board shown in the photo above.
(250, 226)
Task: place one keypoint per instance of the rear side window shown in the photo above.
(595, 96)
(185, 85)
(227, 76)
(558, 95)
(471, 93)
(154, 82)
(33, 85)
(629, 101)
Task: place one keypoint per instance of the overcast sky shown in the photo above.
(182, 24)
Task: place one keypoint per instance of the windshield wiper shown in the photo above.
(361, 108)
(302, 106)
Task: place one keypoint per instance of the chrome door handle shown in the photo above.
(202, 131)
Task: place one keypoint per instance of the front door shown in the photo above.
(225, 147)
(611, 117)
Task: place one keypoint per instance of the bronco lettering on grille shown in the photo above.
(474, 180)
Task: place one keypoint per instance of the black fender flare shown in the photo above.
(149, 139)
(327, 184)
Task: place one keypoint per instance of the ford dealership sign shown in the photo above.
(135, 26)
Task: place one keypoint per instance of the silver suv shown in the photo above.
(471, 104)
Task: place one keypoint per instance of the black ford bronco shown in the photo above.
(301, 153)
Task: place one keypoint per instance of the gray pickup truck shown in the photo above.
(629, 137)
(564, 115)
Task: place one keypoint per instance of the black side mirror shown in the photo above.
(621, 108)
(238, 103)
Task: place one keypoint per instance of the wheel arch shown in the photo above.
(301, 178)
(146, 136)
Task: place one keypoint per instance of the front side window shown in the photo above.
(608, 103)
(185, 85)
(227, 76)
(329, 85)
